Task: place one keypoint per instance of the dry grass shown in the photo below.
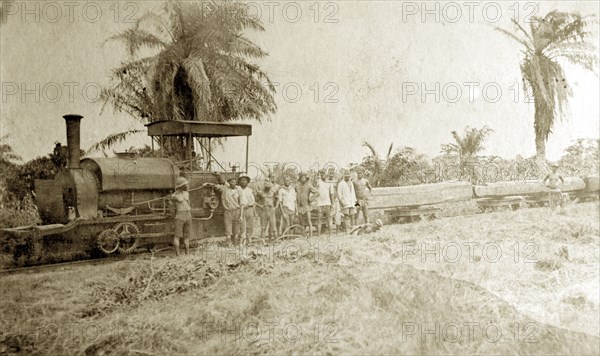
(348, 295)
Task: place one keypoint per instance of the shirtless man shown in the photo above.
(361, 185)
(267, 201)
(552, 182)
(183, 217)
(305, 193)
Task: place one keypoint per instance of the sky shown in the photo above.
(346, 72)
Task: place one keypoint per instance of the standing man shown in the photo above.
(335, 203)
(347, 198)
(287, 204)
(361, 185)
(183, 215)
(247, 207)
(303, 196)
(230, 198)
(324, 202)
(552, 182)
(267, 203)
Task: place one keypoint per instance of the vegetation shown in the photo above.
(200, 69)
(466, 148)
(556, 36)
(461, 160)
(408, 167)
(581, 158)
(17, 181)
(400, 168)
(15, 212)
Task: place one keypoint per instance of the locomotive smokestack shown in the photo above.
(73, 123)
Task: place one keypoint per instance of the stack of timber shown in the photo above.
(528, 188)
(415, 195)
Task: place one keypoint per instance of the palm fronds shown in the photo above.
(556, 35)
(201, 68)
(112, 140)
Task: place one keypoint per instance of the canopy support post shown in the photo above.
(247, 145)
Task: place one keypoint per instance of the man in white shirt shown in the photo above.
(287, 204)
(247, 202)
(347, 199)
(230, 198)
(324, 202)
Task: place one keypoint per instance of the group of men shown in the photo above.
(330, 200)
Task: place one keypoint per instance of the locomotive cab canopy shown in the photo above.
(198, 134)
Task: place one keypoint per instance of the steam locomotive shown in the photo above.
(100, 206)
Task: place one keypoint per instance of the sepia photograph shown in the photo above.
(308, 177)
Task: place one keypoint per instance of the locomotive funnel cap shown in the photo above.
(181, 182)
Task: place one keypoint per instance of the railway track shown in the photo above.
(85, 262)
(163, 251)
(55, 266)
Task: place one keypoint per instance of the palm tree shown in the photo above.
(200, 69)
(559, 35)
(375, 165)
(467, 146)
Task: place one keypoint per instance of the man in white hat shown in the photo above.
(183, 215)
(347, 198)
(324, 200)
(247, 203)
(287, 204)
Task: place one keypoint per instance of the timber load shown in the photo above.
(533, 187)
(415, 195)
(592, 184)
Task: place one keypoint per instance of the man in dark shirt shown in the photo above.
(267, 201)
(305, 193)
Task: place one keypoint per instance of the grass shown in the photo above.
(369, 294)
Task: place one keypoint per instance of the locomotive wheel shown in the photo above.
(108, 241)
(127, 233)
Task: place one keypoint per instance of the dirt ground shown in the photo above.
(523, 282)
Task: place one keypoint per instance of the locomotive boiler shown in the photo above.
(110, 205)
